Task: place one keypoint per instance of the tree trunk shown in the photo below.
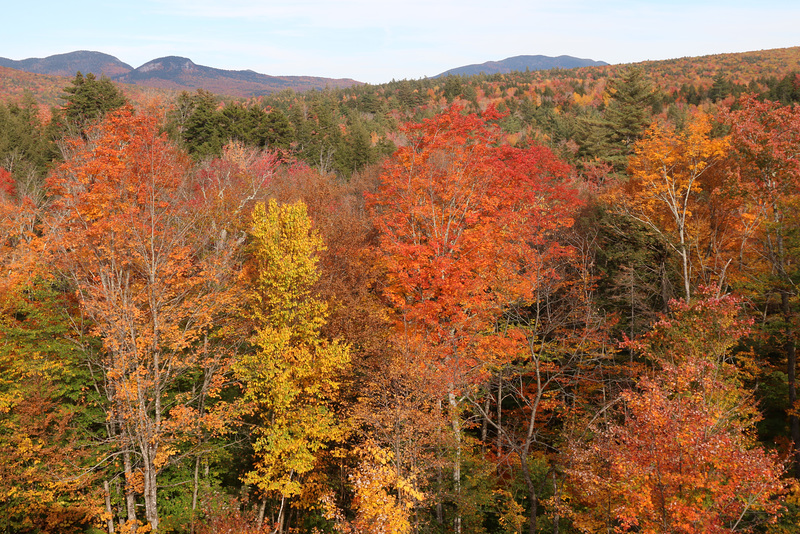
(686, 266)
(531, 495)
(195, 489)
(109, 511)
(150, 487)
(439, 475)
(281, 516)
(485, 425)
(456, 422)
(499, 417)
(130, 496)
(791, 373)
(262, 507)
(557, 495)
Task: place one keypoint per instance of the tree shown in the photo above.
(630, 102)
(274, 131)
(202, 132)
(677, 454)
(667, 171)
(88, 99)
(25, 147)
(466, 226)
(47, 483)
(125, 231)
(377, 508)
(291, 379)
(766, 137)
(46, 477)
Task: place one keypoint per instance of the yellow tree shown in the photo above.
(378, 496)
(667, 171)
(290, 378)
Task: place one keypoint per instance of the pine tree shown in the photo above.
(88, 100)
(629, 112)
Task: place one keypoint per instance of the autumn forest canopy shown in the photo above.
(558, 301)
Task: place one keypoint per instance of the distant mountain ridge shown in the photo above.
(70, 63)
(173, 72)
(180, 73)
(522, 63)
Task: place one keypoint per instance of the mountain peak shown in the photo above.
(169, 63)
(172, 73)
(68, 64)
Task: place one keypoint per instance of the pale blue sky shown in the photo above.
(377, 41)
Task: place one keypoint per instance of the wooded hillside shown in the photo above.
(558, 301)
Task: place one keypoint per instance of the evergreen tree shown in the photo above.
(275, 130)
(202, 134)
(720, 88)
(787, 90)
(25, 148)
(87, 100)
(630, 110)
(610, 138)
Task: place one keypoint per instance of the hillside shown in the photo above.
(681, 79)
(461, 292)
(179, 73)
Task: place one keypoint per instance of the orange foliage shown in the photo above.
(679, 457)
(128, 229)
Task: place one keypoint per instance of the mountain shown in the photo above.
(174, 73)
(68, 64)
(522, 63)
(180, 73)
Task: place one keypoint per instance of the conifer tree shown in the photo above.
(88, 99)
(629, 112)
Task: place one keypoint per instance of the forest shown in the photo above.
(557, 301)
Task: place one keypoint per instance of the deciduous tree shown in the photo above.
(667, 169)
(125, 231)
(291, 378)
(466, 229)
(766, 137)
(677, 453)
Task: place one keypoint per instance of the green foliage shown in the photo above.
(636, 272)
(47, 414)
(786, 90)
(610, 139)
(25, 148)
(202, 131)
(87, 100)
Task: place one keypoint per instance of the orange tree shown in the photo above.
(466, 225)
(45, 473)
(665, 193)
(127, 231)
(766, 137)
(677, 454)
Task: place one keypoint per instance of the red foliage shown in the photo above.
(7, 186)
(465, 222)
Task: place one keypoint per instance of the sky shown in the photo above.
(376, 41)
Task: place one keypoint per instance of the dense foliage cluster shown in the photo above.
(536, 302)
